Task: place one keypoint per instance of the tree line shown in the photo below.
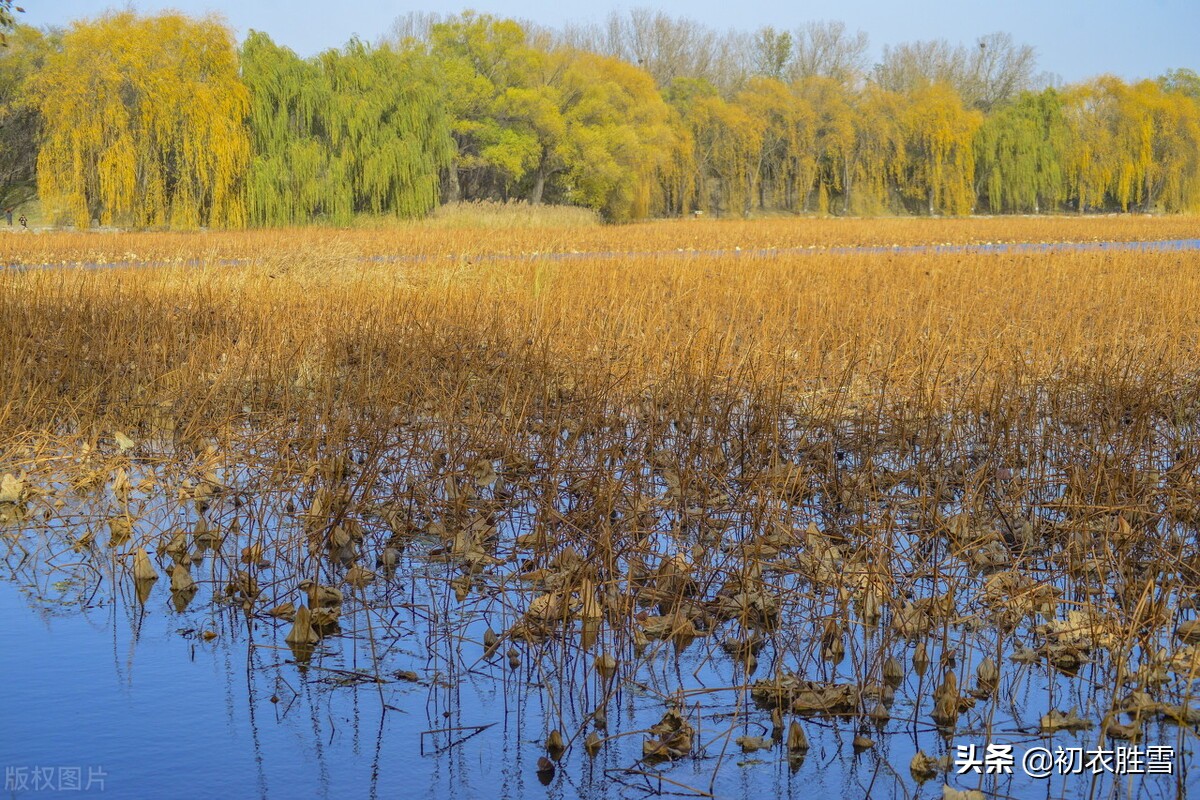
(165, 120)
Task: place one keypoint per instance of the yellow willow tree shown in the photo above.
(833, 137)
(879, 150)
(1091, 114)
(730, 140)
(941, 134)
(1158, 144)
(677, 177)
(787, 162)
(1173, 180)
(618, 138)
(1134, 138)
(726, 142)
(143, 123)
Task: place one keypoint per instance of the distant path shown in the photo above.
(998, 248)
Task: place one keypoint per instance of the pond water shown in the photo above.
(985, 248)
(134, 690)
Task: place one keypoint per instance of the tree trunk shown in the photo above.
(453, 191)
(539, 186)
(539, 182)
(846, 190)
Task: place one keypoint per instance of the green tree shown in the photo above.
(1020, 154)
(505, 115)
(352, 131)
(291, 179)
(772, 53)
(1183, 81)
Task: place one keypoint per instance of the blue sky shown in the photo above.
(1075, 39)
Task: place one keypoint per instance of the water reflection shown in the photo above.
(233, 675)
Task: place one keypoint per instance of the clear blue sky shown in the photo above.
(1075, 39)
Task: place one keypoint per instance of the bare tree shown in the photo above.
(414, 26)
(829, 50)
(999, 70)
(667, 47)
(908, 66)
(772, 52)
(991, 73)
(590, 38)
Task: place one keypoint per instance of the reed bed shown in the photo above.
(869, 496)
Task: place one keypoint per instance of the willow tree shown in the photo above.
(1091, 112)
(388, 127)
(617, 142)
(941, 159)
(833, 137)
(677, 178)
(787, 160)
(1133, 133)
(879, 158)
(726, 146)
(1157, 145)
(1020, 152)
(357, 130)
(291, 177)
(143, 123)
(1173, 180)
